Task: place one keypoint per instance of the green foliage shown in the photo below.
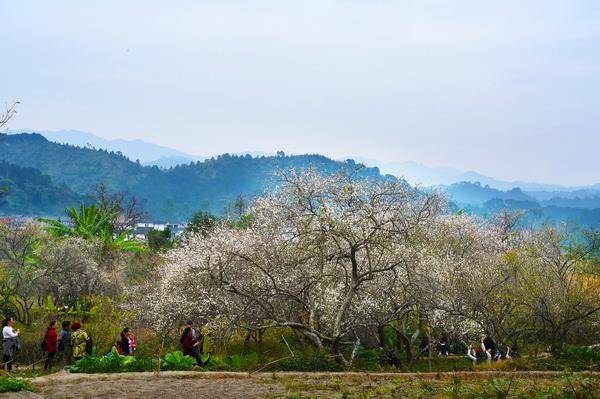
(11, 384)
(115, 363)
(202, 222)
(178, 361)
(158, 240)
(239, 362)
(370, 359)
(172, 194)
(311, 361)
(93, 222)
(26, 191)
(580, 357)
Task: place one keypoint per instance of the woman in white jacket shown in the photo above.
(9, 343)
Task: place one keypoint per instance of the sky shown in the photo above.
(510, 89)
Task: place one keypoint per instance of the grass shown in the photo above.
(14, 384)
(569, 386)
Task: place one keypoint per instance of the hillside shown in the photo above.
(26, 191)
(466, 193)
(169, 194)
(60, 174)
(77, 167)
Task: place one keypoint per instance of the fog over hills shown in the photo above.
(174, 193)
(416, 173)
(147, 153)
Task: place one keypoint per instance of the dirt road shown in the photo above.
(273, 385)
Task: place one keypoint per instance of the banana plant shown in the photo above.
(91, 222)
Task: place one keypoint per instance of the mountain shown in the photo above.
(170, 194)
(467, 193)
(146, 153)
(417, 173)
(26, 191)
(67, 173)
(150, 154)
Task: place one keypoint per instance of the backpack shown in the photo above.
(44, 344)
(184, 334)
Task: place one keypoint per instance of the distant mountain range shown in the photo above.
(416, 173)
(43, 176)
(147, 153)
(169, 194)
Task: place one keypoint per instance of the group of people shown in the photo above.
(485, 350)
(72, 340)
(74, 343)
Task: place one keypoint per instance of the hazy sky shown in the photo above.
(507, 88)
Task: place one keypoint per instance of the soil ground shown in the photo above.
(289, 385)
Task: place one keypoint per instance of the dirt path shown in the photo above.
(234, 385)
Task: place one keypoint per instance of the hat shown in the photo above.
(75, 326)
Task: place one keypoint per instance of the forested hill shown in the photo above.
(171, 194)
(43, 177)
(26, 191)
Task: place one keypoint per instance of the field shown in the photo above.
(316, 385)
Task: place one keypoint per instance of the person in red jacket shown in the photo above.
(50, 344)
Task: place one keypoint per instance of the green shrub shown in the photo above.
(580, 357)
(115, 363)
(311, 361)
(370, 359)
(178, 361)
(11, 384)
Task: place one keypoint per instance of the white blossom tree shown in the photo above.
(322, 254)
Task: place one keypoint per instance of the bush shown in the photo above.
(10, 384)
(115, 363)
(311, 361)
(580, 357)
(178, 361)
(370, 359)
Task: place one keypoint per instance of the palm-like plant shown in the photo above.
(91, 222)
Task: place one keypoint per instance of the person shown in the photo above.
(190, 343)
(488, 346)
(81, 341)
(50, 344)
(123, 342)
(443, 347)
(64, 342)
(472, 353)
(10, 343)
(207, 343)
(131, 338)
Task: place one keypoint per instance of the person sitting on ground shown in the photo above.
(488, 346)
(472, 353)
(443, 347)
(10, 343)
(81, 341)
(50, 344)
(131, 338)
(123, 342)
(64, 342)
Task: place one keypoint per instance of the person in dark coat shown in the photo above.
(123, 343)
(64, 342)
(190, 342)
